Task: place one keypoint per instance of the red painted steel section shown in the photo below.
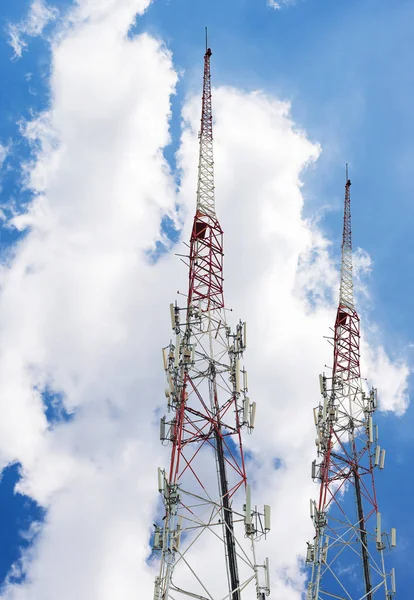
(206, 263)
(346, 366)
(195, 421)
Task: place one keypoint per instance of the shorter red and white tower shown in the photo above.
(347, 555)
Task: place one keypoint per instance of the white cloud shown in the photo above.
(39, 16)
(278, 4)
(82, 311)
(81, 284)
(389, 376)
(15, 41)
(4, 151)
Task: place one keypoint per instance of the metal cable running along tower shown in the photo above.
(206, 539)
(347, 553)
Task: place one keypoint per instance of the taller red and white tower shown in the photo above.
(206, 537)
(347, 554)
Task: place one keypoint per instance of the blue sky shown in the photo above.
(346, 69)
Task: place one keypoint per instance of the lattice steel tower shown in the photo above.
(206, 539)
(347, 553)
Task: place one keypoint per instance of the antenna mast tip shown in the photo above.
(348, 182)
(208, 50)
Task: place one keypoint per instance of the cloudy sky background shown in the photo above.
(100, 107)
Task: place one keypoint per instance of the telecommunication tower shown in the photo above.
(347, 555)
(206, 539)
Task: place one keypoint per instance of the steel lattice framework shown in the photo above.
(207, 538)
(347, 553)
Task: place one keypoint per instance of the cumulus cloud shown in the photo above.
(84, 314)
(39, 16)
(82, 283)
(280, 277)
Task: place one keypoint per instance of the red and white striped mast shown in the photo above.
(347, 555)
(206, 538)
